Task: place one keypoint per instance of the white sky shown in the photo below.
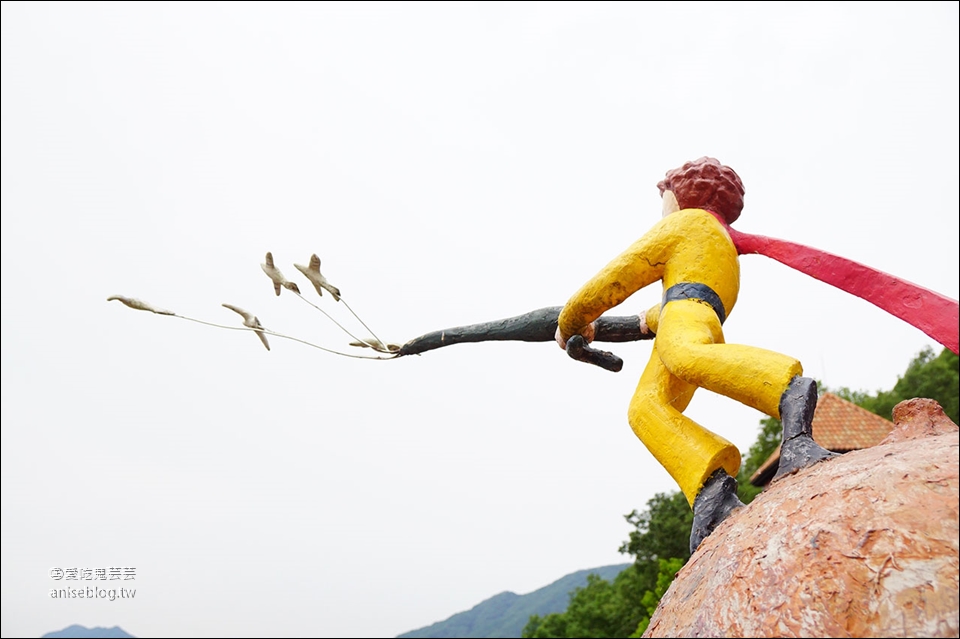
(450, 163)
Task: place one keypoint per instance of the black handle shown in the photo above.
(577, 349)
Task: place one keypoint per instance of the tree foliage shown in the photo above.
(651, 598)
(767, 441)
(599, 609)
(661, 531)
(659, 545)
(929, 375)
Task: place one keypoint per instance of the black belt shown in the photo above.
(693, 291)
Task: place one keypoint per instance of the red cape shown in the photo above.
(936, 315)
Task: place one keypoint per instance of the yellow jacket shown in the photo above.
(689, 245)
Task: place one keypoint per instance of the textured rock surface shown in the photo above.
(865, 545)
(917, 418)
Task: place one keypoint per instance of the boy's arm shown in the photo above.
(638, 266)
(650, 319)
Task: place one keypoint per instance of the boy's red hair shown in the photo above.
(706, 184)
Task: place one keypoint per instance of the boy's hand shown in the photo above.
(588, 333)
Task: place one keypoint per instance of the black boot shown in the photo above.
(798, 450)
(714, 503)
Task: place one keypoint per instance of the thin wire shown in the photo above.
(375, 336)
(359, 339)
(274, 333)
(328, 316)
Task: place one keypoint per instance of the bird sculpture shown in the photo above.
(319, 281)
(250, 321)
(139, 305)
(377, 345)
(277, 277)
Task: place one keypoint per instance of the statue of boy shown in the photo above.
(693, 255)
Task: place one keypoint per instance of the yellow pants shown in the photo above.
(689, 353)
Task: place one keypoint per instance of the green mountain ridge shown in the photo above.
(505, 614)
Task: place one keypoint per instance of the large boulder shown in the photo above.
(863, 545)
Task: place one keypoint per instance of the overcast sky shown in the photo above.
(449, 163)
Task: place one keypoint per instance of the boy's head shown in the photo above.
(706, 184)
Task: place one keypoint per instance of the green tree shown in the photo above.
(616, 609)
(599, 609)
(651, 598)
(932, 376)
(552, 625)
(661, 531)
(767, 441)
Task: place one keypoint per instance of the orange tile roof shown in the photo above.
(841, 426)
(838, 425)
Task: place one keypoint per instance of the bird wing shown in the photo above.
(274, 275)
(239, 311)
(263, 338)
(312, 273)
(320, 280)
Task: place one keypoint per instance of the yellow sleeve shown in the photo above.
(653, 318)
(641, 264)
